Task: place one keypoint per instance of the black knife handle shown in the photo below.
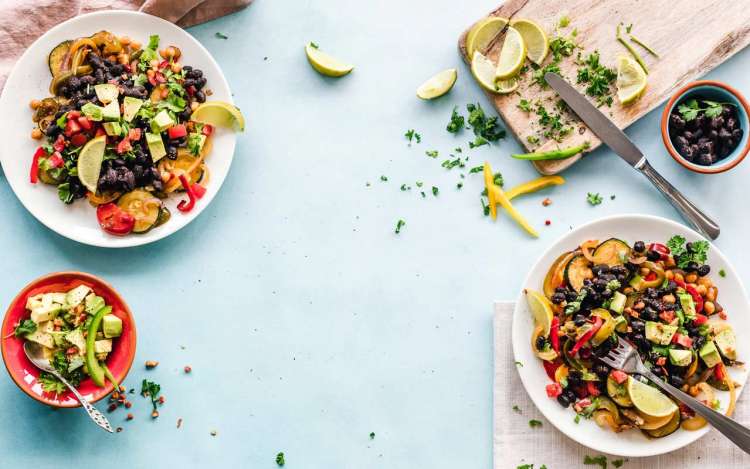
(699, 220)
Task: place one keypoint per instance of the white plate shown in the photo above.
(30, 79)
(630, 228)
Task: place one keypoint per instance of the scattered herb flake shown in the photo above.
(597, 78)
(601, 461)
(431, 153)
(372, 435)
(476, 169)
(722, 273)
(697, 252)
(223, 36)
(524, 105)
(535, 423)
(564, 21)
(411, 134)
(618, 462)
(27, 326)
(516, 408)
(519, 364)
(457, 122)
(486, 127)
(435, 191)
(400, 224)
(313, 45)
(384, 178)
(594, 199)
(280, 459)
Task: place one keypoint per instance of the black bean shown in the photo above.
(737, 134)
(704, 270)
(677, 122)
(99, 76)
(187, 68)
(563, 400)
(676, 381)
(653, 255)
(724, 134)
(601, 369)
(716, 122)
(707, 159)
(200, 96)
(639, 246)
(196, 73)
(570, 394)
(637, 325)
(692, 266)
(558, 298)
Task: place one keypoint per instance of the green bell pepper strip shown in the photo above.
(110, 377)
(92, 364)
(630, 49)
(559, 154)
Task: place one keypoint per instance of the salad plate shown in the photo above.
(629, 443)
(30, 80)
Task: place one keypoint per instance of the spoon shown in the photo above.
(35, 354)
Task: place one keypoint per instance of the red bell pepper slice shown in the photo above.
(84, 122)
(177, 131)
(159, 77)
(719, 372)
(587, 336)
(99, 132)
(55, 160)
(697, 298)
(680, 283)
(554, 337)
(592, 389)
(650, 277)
(59, 144)
(34, 172)
(200, 191)
(164, 64)
(551, 367)
(661, 249)
(553, 390)
(78, 139)
(186, 205)
(123, 146)
(700, 320)
(619, 376)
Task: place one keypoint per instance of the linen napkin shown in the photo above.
(516, 444)
(22, 21)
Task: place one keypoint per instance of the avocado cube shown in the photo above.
(710, 355)
(103, 346)
(106, 92)
(92, 111)
(155, 146)
(687, 304)
(660, 333)
(131, 106)
(76, 295)
(679, 357)
(195, 143)
(45, 313)
(94, 303)
(76, 338)
(727, 343)
(42, 338)
(618, 302)
(76, 361)
(113, 129)
(58, 298)
(111, 326)
(111, 112)
(162, 121)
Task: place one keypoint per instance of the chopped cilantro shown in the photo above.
(413, 135)
(516, 408)
(594, 199)
(690, 109)
(280, 457)
(50, 383)
(151, 390)
(478, 142)
(419, 183)
(27, 326)
(313, 45)
(486, 127)
(372, 435)
(517, 363)
(722, 273)
(532, 139)
(476, 169)
(400, 224)
(64, 193)
(524, 105)
(384, 178)
(618, 462)
(431, 153)
(435, 191)
(221, 35)
(404, 187)
(535, 423)
(601, 461)
(456, 123)
(553, 125)
(561, 47)
(538, 76)
(597, 78)
(564, 21)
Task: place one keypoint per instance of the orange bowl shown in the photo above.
(26, 375)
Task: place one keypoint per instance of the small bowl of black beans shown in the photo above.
(705, 127)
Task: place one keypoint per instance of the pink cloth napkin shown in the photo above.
(22, 21)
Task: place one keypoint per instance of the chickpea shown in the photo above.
(678, 277)
(164, 93)
(176, 68)
(701, 289)
(694, 391)
(669, 274)
(36, 134)
(669, 298)
(150, 73)
(691, 278)
(154, 63)
(709, 307)
(135, 45)
(35, 103)
(124, 40)
(167, 53)
(670, 262)
(625, 290)
(711, 294)
(112, 58)
(123, 58)
(194, 105)
(177, 52)
(705, 281)
(644, 271)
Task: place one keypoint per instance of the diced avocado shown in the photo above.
(636, 282)
(111, 326)
(113, 129)
(588, 376)
(680, 357)
(659, 333)
(94, 303)
(710, 355)
(76, 295)
(58, 298)
(92, 111)
(688, 306)
(618, 302)
(195, 142)
(58, 337)
(130, 107)
(155, 146)
(111, 112)
(34, 302)
(727, 343)
(41, 337)
(76, 338)
(106, 92)
(45, 313)
(103, 346)
(621, 324)
(161, 121)
(76, 361)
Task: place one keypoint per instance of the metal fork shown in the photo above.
(625, 357)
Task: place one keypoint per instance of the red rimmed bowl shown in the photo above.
(26, 374)
(715, 91)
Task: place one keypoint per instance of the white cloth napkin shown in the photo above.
(516, 444)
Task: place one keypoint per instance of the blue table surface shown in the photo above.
(307, 322)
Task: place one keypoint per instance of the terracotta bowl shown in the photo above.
(25, 375)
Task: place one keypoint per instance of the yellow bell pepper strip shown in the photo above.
(496, 196)
(534, 185)
(559, 154)
(92, 364)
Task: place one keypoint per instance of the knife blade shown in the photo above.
(595, 120)
(616, 139)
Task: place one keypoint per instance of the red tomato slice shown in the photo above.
(114, 220)
(619, 376)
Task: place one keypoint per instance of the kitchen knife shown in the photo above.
(616, 139)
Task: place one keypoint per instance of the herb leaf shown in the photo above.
(27, 326)
(456, 123)
(594, 199)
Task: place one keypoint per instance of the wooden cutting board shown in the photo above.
(691, 37)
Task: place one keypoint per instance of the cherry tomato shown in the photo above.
(114, 220)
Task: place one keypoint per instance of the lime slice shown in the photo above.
(325, 64)
(480, 36)
(507, 86)
(483, 70)
(541, 310)
(631, 79)
(649, 400)
(512, 55)
(90, 162)
(438, 85)
(535, 39)
(219, 114)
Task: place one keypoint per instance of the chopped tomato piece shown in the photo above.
(59, 144)
(55, 160)
(134, 134)
(114, 220)
(700, 319)
(78, 139)
(697, 298)
(667, 316)
(650, 277)
(619, 376)
(177, 131)
(99, 132)
(84, 122)
(554, 390)
(719, 372)
(123, 146)
(74, 114)
(592, 388)
(661, 361)
(71, 127)
(683, 340)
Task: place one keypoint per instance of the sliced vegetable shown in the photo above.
(497, 196)
(58, 58)
(577, 271)
(114, 220)
(534, 185)
(558, 154)
(555, 276)
(34, 172)
(92, 364)
(587, 336)
(668, 429)
(612, 252)
(144, 208)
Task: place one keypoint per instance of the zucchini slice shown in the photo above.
(144, 207)
(667, 429)
(612, 252)
(618, 393)
(554, 276)
(57, 58)
(576, 271)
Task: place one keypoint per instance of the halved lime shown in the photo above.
(325, 64)
(90, 162)
(535, 39)
(512, 55)
(438, 85)
(541, 310)
(650, 400)
(480, 36)
(631, 79)
(220, 114)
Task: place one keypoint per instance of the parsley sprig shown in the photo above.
(151, 390)
(691, 109)
(597, 78)
(456, 123)
(697, 252)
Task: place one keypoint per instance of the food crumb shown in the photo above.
(151, 364)
(188, 369)
(547, 202)
(129, 417)
(118, 429)
(154, 414)
(547, 222)
(179, 422)
(214, 432)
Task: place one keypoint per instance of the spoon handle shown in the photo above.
(95, 415)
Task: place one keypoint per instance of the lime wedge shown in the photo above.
(649, 400)
(480, 36)
(507, 86)
(219, 114)
(631, 79)
(438, 85)
(512, 55)
(541, 310)
(90, 162)
(535, 39)
(325, 64)
(483, 70)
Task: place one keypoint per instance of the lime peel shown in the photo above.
(438, 85)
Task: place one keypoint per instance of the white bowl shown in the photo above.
(30, 79)
(630, 228)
